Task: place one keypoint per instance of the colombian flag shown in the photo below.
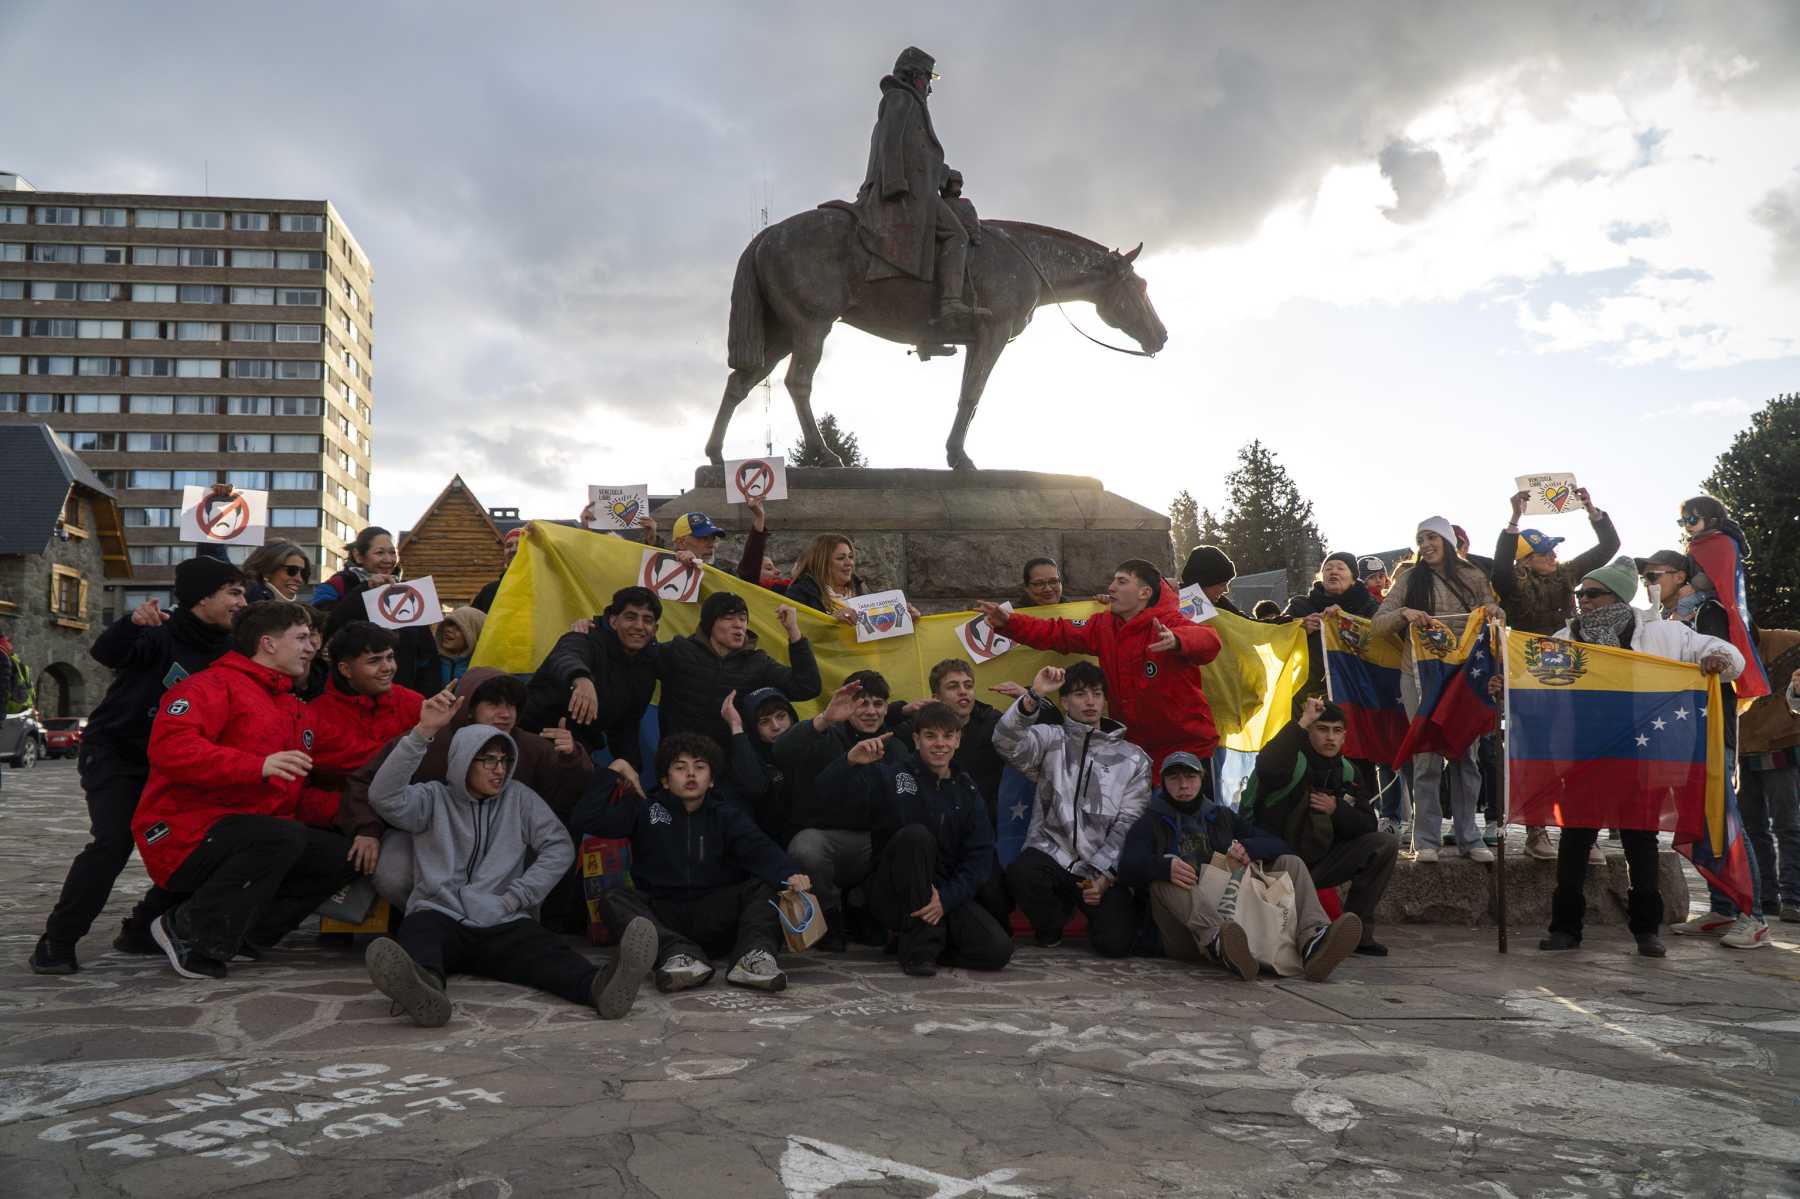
(1454, 709)
(1606, 738)
(1362, 676)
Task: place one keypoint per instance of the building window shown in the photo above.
(103, 255)
(296, 443)
(253, 259)
(294, 518)
(101, 291)
(253, 295)
(12, 289)
(97, 366)
(197, 443)
(112, 218)
(152, 293)
(147, 480)
(300, 260)
(152, 518)
(45, 252)
(202, 220)
(54, 328)
(247, 443)
(294, 480)
(298, 405)
(297, 333)
(161, 555)
(244, 331)
(48, 289)
(198, 330)
(147, 330)
(196, 405)
(101, 330)
(247, 405)
(153, 368)
(309, 297)
(155, 256)
(9, 401)
(152, 405)
(252, 368)
(12, 214)
(86, 404)
(50, 364)
(201, 293)
(148, 443)
(292, 222)
(202, 256)
(81, 440)
(193, 478)
(9, 364)
(158, 218)
(12, 251)
(10, 326)
(197, 368)
(68, 595)
(299, 370)
(58, 216)
(255, 480)
(40, 402)
(250, 222)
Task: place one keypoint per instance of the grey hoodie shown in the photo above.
(469, 855)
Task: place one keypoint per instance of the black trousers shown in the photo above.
(1367, 864)
(255, 877)
(901, 883)
(993, 896)
(1049, 895)
(519, 951)
(732, 920)
(1643, 903)
(112, 789)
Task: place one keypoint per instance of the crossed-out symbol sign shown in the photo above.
(982, 636)
(223, 517)
(400, 603)
(754, 478)
(668, 576)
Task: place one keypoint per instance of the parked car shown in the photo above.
(62, 736)
(22, 740)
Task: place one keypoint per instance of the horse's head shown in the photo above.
(1124, 302)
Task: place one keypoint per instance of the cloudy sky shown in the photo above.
(1418, 248)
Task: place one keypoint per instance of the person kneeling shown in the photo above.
(933, 847)
(700, 869)
(1171, 848)
(470, 909)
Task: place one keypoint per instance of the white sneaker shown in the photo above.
(1428, 854)
(681, 972)
(1747, 932)
(757, 969)
(1480, 853)
(1710, 925)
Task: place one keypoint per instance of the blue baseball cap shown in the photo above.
(1533, 542)
(695, 524)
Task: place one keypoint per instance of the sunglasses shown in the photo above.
(1593, 593)
(1650, 576)
(292, 572)
(1692, 518)
(493, 761)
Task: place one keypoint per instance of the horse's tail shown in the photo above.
(744, 340)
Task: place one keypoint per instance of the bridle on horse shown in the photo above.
(1057, 300)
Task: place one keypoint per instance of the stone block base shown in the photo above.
(1455, 890)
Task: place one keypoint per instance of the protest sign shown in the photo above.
(669, 579)
(881, 615)
(755, 478)
(1551, 494)
(1194, 604)
(981, 640)
(403, 605)
(235, 518)
(617, 509)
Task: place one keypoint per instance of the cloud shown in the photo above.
(1417, 176)
(1779, 214)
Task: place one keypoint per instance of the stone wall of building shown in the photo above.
(69, 682)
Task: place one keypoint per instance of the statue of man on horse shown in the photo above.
(898, 261)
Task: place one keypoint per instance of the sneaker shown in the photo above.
(1331, 945)
(1538, 844)
(1372, 949)
(1387, 824)
(1790, 914)
(248, 952)
(1712, 924)
(1231, 948)
(757, 969)
(1479, 853)
(919, 967)
(615, 987)
(135, 938)
(1596, 855)
(1428, 854)
(187, 961)
(53, 957)
(1651, 946)
(1747, 932)
(1047, 940)
(1557, 942)
(1490, 836)
(680, 972)
(415, 989)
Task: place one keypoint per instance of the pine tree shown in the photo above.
(1267, 524)
(1184, 525)
(1758, 479)
(836, 439)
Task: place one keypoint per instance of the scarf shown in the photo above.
(1603, 626)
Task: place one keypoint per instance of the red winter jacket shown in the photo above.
(343, 730)
(206, 757)
(1157, 697)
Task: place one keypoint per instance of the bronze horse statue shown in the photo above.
(796, 277)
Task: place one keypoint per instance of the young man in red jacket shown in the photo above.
(361, 710)
(1151, 655)
(226, 818)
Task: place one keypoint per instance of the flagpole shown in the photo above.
(1505, 788)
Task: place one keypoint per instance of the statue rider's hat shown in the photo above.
(914, 59)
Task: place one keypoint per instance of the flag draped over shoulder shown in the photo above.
(1598, 737)
(1362, 676)
(1454, 708)
(1717, 554)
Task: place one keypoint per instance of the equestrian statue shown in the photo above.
(909, 261)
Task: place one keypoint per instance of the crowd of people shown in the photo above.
(261, 753)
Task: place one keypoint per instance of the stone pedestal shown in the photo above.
(1457, 891)
(947, 538)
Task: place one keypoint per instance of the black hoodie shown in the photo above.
(678, 854)
(146, 660)
(623, 684)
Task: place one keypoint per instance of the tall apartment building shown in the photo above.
(177, 340)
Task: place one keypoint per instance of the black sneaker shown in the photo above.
(134, 937)
(1331, 946)
(919, 967)
(187, 961)
(418, 992)
(1372, 949)
(1651, 946)
(1559, 942)
(616, 986)
(1047, 940)
(53, 957)
(248, 952)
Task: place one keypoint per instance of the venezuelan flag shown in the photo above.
(1362, 676)
(1717, 554)
(1453, 673)
(1605, 738)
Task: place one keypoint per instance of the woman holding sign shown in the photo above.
(826, 580)
(373, 562)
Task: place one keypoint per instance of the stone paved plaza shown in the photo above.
(1445, 1070)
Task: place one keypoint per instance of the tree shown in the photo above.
(1184, 524)
(839, 442)
(1757, 479)
(1267, 524)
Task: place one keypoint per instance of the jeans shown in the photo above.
(1643, 903)
(519, 951)
(734, 920)
(1396, 793)
(1431, 774)
(111, 787)
(1721, 903)
(835, 859)
(256, 877)
(1049, 895)
(1770, 805)
(901, 883)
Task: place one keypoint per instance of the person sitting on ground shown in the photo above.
(552, 764)
(361, 710)
(277, 570)
(761, 781)
(1309, 795)
(148, 650)
(370, 561)
(1444, 589)
(509, 549)
(700, 869)
(600, 681)
(486, 850)
(227, 820)
(1149, 651)
(1043, 584)
(1374, 575)
(1213, 569)
(1178, 836)
(829, 826)
(933, 846)
(1607, 618)
(699, 671)
(1092, 785)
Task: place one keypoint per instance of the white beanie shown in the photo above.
(1441, 526)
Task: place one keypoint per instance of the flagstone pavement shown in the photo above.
(1446, 1069)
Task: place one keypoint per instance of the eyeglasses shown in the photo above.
(1593, 593)
(493, 761)
(1039, 584)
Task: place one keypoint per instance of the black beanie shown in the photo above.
(199, 577)
(1208, 566)
(1348, 559)
(719, 603)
